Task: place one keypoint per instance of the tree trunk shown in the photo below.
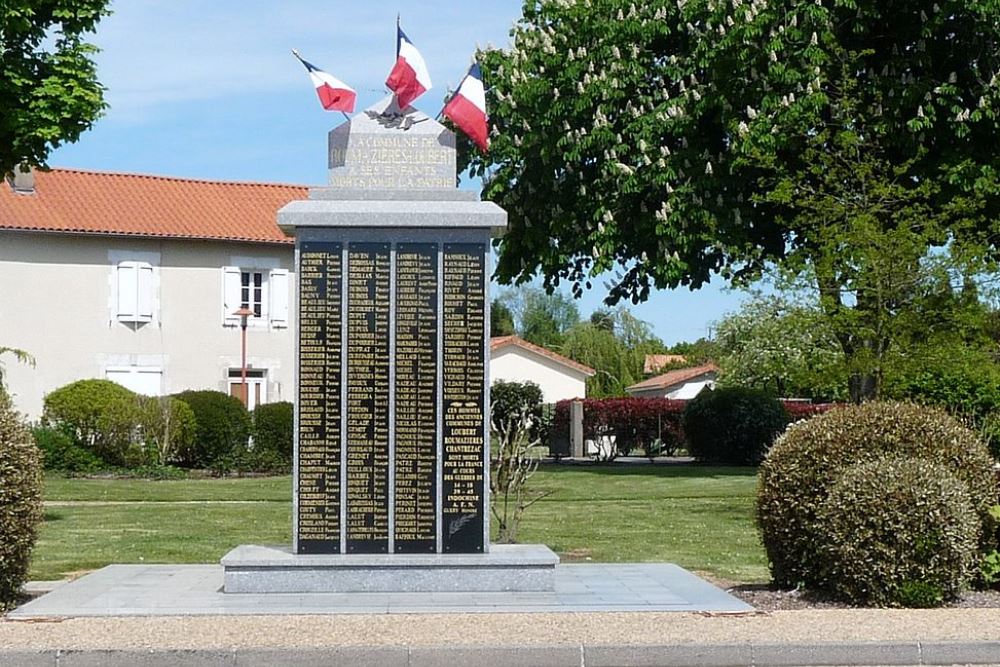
(863, 387)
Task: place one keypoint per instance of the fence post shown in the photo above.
(576, 449)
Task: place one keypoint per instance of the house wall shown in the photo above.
(557, 381)
(57, 297)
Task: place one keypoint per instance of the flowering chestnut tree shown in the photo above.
(49, 93)
(664, 142)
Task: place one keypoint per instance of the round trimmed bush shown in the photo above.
(100, 414)
(509, 399)
(222, 427)
(898, 532)
(168, 427)
(273, 429)
(733, 425)
(20, 500)
(802, 466)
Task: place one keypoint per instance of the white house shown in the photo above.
(683, 383)
(516, 360)
(135, 279)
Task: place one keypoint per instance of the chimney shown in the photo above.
(23, 181)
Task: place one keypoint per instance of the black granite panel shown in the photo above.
(368, 277)
(464, 322)
(416, 398)
(319, 398)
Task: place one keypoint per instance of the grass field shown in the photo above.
(698, 517)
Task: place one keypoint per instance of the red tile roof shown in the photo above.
(92, 202)
(654, 362)
(673, 377)
(501, 342)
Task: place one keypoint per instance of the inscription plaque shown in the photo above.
(464, 446)
(319, 451)
(368, 277)
(415, 503)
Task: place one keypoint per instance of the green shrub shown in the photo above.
(20, 500)
(168, 426)
(102, 416)
(732, 425)
(61, 453)
(222, 427)
(508, 399)
(795, 479)
(898, 531)
(274, 431)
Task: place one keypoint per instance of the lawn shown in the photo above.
(698, 517)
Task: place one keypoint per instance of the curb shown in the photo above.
(568, 655)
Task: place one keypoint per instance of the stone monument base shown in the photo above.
(506, 568)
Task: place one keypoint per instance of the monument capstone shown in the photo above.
(391, 470)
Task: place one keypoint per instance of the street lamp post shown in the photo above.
(243, 314)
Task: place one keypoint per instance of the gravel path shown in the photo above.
(836, 625)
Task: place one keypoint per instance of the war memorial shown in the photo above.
(392, 412)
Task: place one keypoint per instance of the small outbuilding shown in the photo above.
(681, 384)
(514, 359)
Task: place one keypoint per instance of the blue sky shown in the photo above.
(210, 90)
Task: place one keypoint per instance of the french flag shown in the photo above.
(334, 94)
(409, 78)
(467, 108)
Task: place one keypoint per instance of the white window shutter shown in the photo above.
(146, 296)
(278, 308)
(231, 301)
(128, 291)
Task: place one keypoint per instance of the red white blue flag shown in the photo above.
(409, 78)
(467, 108)
(334, 94)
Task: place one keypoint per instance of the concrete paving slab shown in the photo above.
(861, 653)
(497, 656)
(724, 655)
(188, 658)
(181, 590)
(958, 653)
(28, 658)
(376, 656)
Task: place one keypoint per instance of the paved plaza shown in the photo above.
(178, 590)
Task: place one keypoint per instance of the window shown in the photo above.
(263, 291)
(145, 380)
(256, 386)
(134, 292)
(252, 292)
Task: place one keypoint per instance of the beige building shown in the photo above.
(136, 278)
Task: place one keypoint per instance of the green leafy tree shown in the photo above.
(672, 141)
(698, 352)
(615, 345)
(783, 348)
(49, 91)
(540, 317)
(501, 320)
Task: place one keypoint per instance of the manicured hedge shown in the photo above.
(273, 434)
(638, 424)
(221, 433)
(733, 425)
(634, 423)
